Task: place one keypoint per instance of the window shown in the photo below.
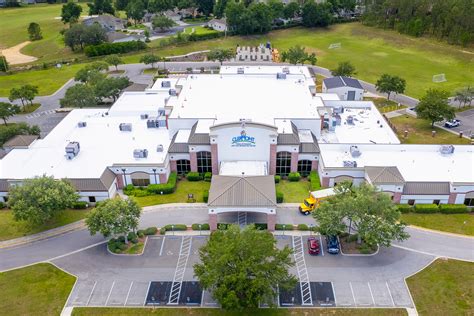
(183, 166)
(411, 202)
(304, 167)
(436, 202)
(140, 182)
(204, 162)
(283, 163)
(92, 199)
(469, 202)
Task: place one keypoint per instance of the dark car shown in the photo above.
(313, 246)
(333, 244)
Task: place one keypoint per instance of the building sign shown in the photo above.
(243, 140)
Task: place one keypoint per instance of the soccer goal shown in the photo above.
(439, 78)
(335, 45)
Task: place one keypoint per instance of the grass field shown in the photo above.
(9, 228)
(198, 30)
(444, 288)
(180, 196)
(452, 223)
(41, 289)
(293, 192)
(419, 132)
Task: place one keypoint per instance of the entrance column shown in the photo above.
(271, 221)
(212, 221)
(193, 158)
(294, 162)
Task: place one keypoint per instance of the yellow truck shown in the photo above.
(314, 200)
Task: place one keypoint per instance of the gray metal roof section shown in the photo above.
(256, 191)
(338, 82)
(289, 139)
(198, 139)
(426, 188)
(176, 148)
(379, 175)
(310, 148)
(94, 185)
(4, 186)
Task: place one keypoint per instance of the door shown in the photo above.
(351, 95)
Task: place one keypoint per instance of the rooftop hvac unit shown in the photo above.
(240, 71)
(338, 109)
(350, 164)
(350, 120)
(286, 70)
(82, 124)
(125, 127)
(355, 152)
(172, 92)
(161, 112)
(152, 123)
(72, 150)
(143, 116)
(140, 153)
(166, 84)
(159, 148)
(281, 75)
(446, 149)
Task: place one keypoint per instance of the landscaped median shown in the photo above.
(134, 244)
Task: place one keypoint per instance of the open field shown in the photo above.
(419, 132)
(9, 228)
(452, 223)
(444, 288)
(41, 289)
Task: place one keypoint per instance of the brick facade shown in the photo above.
(119, 181)
(397, 196)
(271, 221)
(294, 162)
(213, 222)
(163, 178)
(325, 182)
(273, 155)
(452, 198)
(193, 160)
(215, 159)
(314, 165)
(173, 166)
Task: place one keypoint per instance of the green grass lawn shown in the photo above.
(30, 108)
(198, 30)
(419, 132)
(150, 71)
(453, 223)
(384, 105)
(9, 228)
(180, 196)
(41, 289)
(444, 288)
(293, 192)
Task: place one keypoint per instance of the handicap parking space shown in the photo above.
(191, 294)
(322, 294)
(292, 297)
(158, 293)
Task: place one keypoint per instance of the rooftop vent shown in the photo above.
(125, 127)
(166, 84)
(240, 71)
(156, 122)
(172, 92)
(281, 75)
(161, 112)
(446, 149)
(140, 153)
(72, 150)
(82, 124)
(143, 116)
(350, 120)
(159, 148)
(286, 70)
(350, 164)
(355, 152)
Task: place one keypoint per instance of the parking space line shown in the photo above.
(321, 245)
(371, 294)
(390, 293)
(92, 292)
(108, 296)
(162, 245)
(353, 296)
(128, 294)
(202, 298)
(146, 295)
(334, 294)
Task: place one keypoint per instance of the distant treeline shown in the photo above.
(450, 20)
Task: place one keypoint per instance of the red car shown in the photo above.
(313, 246)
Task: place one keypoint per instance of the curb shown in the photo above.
(440, 232)
(131, 254)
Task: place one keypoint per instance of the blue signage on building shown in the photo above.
(243, 140)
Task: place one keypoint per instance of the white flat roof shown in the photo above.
(183, 136)
(157, 85)
(243, 167)
(136, 103)
(305, 136)
(267, 70)
(328, 96)
(415, 162)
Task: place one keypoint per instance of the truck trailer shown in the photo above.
(314, 200)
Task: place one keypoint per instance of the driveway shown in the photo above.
(467, 122)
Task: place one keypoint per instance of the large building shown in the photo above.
(244, 125)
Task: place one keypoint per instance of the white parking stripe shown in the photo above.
(334, 294)
(162, 245)
(371, 294)
(390, 293)
(108, 296)
(144, 302)
(90, 295)
(128, 294)
(353, 296)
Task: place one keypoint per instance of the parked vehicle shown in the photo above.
(313, 246)
(332, 244)
(452, 123)
(315, 198)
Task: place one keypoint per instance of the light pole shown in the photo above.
(310, 229)
(172, 229)
(284, 229)
(199, 229)
(124, 177)
(154, 173)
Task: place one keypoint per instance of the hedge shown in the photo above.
(280, 226)
(150, 231)
(315, 184)
(113, 48)
(203, 227)
(173, 227)
(3, 205)
(279, 196)
(223, 226)
(302, 227)
(193, 176)
(426, 208)
(128, 189)
(79, 205)
(404, 208)
(294, 177)
(453, 208)
(208, 176)
(277, 179)
(205, 196)
(261, 226)
(193, 37)
(167, 188)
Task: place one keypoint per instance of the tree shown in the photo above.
(120, 5)
(316, 14)
(276, 7)
(3, 64)
(135, 10)
(93, 35)
(101, 7)
(15, 94)
(345, 69)
(205, 6)
(464, 96)
(91, 73)
(291, 10)
(114, 60)
(388, 84)
(158, 6)
(7, 110)
(73, 36)
(150, 59)
(366, 209)
(70, 13)
(434, 106)
(262, 14)
(220, 8)
(25, 93)
(162, 22)
(242, 268)
(110, 87)
(40, 199)
(220, 54)
(79, 96)
(114, 217)
(34, 31)
(297, 54)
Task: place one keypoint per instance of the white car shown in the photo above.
(452, 123)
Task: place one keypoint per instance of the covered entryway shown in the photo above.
(242, 196)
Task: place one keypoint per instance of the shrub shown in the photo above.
(193, 37)
(121, 239)
(141, 233)
(113, 48)
(205, 196)
(128, 189)
(175, 227)
(150, 231)
(261, 226)
(352, 238)
(164, 188)
(193, 176)
(223, 226)
(122, 247)
(314, 181)
(287, 226)
(302, 227)
(453, 208)
(294, 176)
(404, 208)
(365, 249)
(279, 196)
(277, 179)
(2, 205)
(203, 226)
(140, 193)
(80, 205)
(426, 208)
(131, 236)
(208, 176)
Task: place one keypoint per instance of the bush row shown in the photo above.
(203, 227)
(279, 196)
(205, 196)
(80, 205)
(113, 48)
(173, 227)
(315, 184)
(294, 177)
(163, 188)
(147, 232)
(433, 208)
(277, 179)
(196, 176)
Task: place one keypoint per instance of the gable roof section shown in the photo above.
(384, 175)
(94, 185)
(257, 191)
(289, 139)
(338, 82)
(198, 138)
(428, 188)
(310, 148)
(177, 147)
